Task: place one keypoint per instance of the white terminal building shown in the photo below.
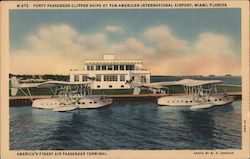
(111, 73)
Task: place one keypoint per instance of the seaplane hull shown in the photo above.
(65, 108)
(188, 100)
(94, 102)
(83, 103)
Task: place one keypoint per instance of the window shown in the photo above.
(84, 78)
(98, 67)
(121, 67)
(122, 86)
(115, 67)
(143, 79)
(130, 67)
(110, 77)
(98, 77)
(122, 77)
(91, 67)
(90, 102)
(76, 78)
(113, 77)
(88, 67)
(110, 86)
(109, 67)
(105, 77)
(127, 67)
(104, 67)
(98, 86)
(95, 102)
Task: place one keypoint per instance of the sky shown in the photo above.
(169, 41)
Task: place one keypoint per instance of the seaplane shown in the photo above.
(199, 94)
(67, 96)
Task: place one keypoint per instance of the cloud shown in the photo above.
(210, 54)
(113, 29)
(197, 65)
(93, 42)
(58, 48)
(132, 48)
(164, 40)
(215, 54)
(214, 44)
(52, 49)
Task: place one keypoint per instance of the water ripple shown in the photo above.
(137, 125)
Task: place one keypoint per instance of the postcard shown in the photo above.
(124, 79)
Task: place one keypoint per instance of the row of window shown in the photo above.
(99, 78)
(113, 77)
(191, 101)
(89, 102)
(77, 78)
(110, 67)
(110, 86)
(58, 103)
(143, 79)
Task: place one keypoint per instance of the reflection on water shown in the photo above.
(137, 125)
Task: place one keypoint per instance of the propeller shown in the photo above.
(92, 78)
(128, 81)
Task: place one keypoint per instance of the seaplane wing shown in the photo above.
(184, 82)
(192, 82)
(154, 84)
(16, 84)
(59, 83)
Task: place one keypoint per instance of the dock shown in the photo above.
(26, 100)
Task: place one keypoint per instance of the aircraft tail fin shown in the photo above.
(136, 90)
(14, 86)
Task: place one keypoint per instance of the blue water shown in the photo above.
(136, 125)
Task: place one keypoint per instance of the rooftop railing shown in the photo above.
(136, 69)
